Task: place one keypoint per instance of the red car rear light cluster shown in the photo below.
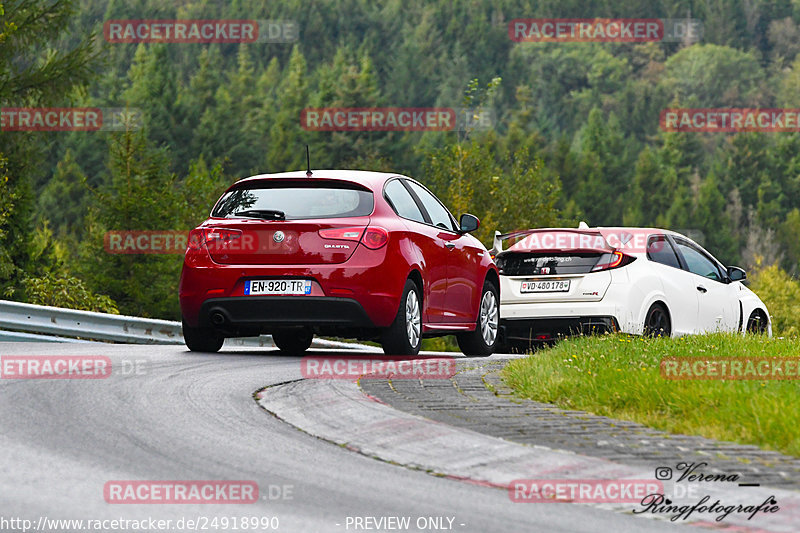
(342, 234)
(372, 237)
(200, 238)
(611, 260)
(375, 238)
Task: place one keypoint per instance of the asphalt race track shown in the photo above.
(168, 414)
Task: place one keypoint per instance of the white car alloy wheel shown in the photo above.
(413, 318)
(488, 317)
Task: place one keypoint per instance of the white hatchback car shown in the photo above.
(643, 281)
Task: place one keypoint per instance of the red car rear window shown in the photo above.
(297, 201)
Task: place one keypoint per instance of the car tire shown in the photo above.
(404, 336)
(657, 322)
(293, 341)
(757, 323)
(202, 339)
(482, 341)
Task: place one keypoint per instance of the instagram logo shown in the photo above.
(663, 473)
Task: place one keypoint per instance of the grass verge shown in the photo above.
(620, 376)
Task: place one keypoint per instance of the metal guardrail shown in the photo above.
(17, 316)
(19, 336)
(38, 323)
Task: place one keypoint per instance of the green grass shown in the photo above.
(619, 376)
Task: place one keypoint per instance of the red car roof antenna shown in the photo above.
(308, 163)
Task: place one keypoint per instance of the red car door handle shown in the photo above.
(450, 245)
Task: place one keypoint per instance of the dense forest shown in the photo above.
(574, 133)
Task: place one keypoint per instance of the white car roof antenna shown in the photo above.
(583, 225)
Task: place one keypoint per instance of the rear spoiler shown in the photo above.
(628, 240)
(497, 242)
(499, 238)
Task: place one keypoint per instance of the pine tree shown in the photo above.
(143, 195)
(63, 201)
(711, 219)
(153, 90)
(602, 191)
(286, 150)
(34, 71)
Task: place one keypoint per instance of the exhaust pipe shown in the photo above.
(217, 318)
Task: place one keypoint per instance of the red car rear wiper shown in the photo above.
(268, 214)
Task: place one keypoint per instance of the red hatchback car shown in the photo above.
(356, 254)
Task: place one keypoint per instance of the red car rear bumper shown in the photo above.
(363, 292)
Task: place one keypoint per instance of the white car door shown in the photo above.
(681, 302)
(718, 306)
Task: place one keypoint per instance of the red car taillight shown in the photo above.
(344, 234)
(211, 238)
(373, 237)
(614, 259)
